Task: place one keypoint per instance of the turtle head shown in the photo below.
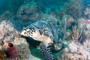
(30, 33)
(24, 32)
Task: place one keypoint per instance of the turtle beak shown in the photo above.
(22, 33)
(50, 44)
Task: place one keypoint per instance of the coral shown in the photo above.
(86, 44)
(29, 11)
(66, 24)
(73, 8)
(75, 51)
(87, 13)
(84, 25)
(76, 34)
(6, 16)
(12, 50)
(87, 24)
(5, 30)
(81, 23)
(2, 55)
(9, 34)
(68, 35)
(19, 41)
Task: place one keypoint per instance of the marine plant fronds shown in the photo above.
(76, 33)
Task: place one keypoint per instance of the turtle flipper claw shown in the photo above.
(46, 52)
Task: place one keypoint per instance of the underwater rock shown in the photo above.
(69, 21)
(84, 23)
(87, 33)
(7, 15)
(9, 34)
(67, 24)
(33, 58)
(87, 13)
(12, 50)
(5, 30)
(76, 8)
(86, 44)
(87, 24)
(19, 41)
(73, 47)
(75, 51)
(29, 11)
(81, 23)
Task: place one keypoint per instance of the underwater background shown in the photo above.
(70, 18)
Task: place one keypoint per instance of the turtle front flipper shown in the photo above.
(47, 54)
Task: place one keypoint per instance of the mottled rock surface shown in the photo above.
(9, 34)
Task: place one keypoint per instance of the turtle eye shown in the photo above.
(24, 32)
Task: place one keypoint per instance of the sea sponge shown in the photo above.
(2, 55)
(12, 50)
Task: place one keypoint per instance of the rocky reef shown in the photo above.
(28, 11)
(12, 45)
(76, 51)
(70, 18)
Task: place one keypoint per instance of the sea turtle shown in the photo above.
(45, 32)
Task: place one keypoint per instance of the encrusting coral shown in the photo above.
(12, 43)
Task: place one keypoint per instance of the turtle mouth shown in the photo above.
(22, 33)
(50, 44)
